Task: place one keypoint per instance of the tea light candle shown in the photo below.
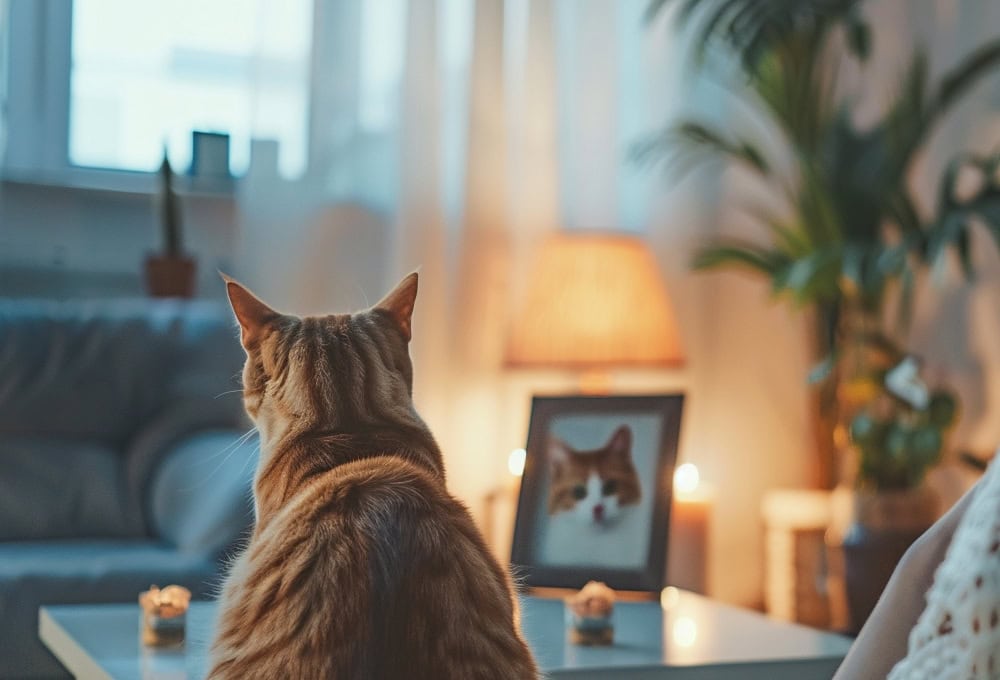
(687, 556)
(163, 615)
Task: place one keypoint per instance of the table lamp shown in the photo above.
(594, 301)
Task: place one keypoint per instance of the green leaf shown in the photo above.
(964, 76)
(859, 36)
(964, 248)
(704, 139)
(822, 370)
(753, 28)
(811, 278)
(904, 316)
(736, 254)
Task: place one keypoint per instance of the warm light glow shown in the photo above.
(595, 300)
(669, 597)
(515, 462)
(686, 478)
(685, 632)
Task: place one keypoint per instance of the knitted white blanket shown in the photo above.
(958, 635)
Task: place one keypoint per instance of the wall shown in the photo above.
(70, 242)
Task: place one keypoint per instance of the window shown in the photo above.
(99, 85)
(144, 75)
(107, 84)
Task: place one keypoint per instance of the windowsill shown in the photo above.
(121, 182)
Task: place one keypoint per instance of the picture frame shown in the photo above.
(596, 491)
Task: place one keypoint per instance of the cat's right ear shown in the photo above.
(399, 303)
(252, 314)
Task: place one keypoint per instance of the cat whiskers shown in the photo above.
(222, 394)
(233, 444)
(232, 448)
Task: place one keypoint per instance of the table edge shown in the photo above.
(66, 649)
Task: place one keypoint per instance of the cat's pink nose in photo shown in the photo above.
(598, 513)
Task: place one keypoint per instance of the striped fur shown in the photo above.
(361, 565)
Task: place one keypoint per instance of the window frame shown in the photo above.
(39, 55)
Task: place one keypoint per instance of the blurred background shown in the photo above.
(318, 150)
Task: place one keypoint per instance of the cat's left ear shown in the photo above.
(250, 311)
(620, 443)
(399, 303)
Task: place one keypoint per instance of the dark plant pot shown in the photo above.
(885, 525)
(170, 276)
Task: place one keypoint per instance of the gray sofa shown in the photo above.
(120, 459)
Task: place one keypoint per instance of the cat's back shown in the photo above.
(393, 578)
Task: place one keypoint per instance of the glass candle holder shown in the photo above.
(589, 615)
(164, 612)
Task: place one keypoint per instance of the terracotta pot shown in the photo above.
(885, 524)
(170, 276)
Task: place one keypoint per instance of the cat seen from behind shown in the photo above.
(361, 565)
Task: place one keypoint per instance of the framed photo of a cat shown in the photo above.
(596, 491)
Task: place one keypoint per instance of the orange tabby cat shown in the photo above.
(361, 564)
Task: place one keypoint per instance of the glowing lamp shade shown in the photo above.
(595, 300)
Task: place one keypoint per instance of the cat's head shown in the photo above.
(593, 485)
(326, 371)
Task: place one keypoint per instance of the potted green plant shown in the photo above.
(848, 235)
(170, 273)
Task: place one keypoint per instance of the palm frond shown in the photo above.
(789, 237)
(751, 28)
(734, 253)
(964, 76)
(703, 138)
(957, 215)
(687, 144)
(815, 276)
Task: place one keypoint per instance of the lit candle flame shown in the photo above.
(686, 478)
(515, 462)
(669, 597)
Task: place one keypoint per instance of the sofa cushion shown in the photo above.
(102, 370)
(53, 487)
(66, 572)
(200, 495)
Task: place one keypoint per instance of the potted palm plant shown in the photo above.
(170, 273)
(848, 234)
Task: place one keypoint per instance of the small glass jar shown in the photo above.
(163, 615)
(589, 615)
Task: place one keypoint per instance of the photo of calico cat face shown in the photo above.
(596, 485)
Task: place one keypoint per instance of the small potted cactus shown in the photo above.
(170, 273)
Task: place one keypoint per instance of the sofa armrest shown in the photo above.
(200, 493)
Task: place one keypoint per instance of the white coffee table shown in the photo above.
(695, 638)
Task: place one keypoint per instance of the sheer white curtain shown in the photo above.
(448, 136)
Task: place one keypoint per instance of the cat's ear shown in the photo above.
(252, 314)
(620, 444)
(556, 451)
(399, 303)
